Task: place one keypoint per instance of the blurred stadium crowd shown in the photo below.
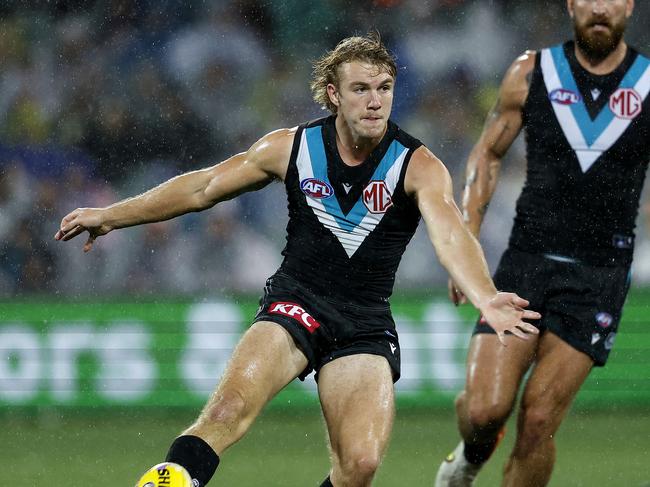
(100, 100)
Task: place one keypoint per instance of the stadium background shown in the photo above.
(106, 356)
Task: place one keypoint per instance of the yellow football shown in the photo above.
(165, 474)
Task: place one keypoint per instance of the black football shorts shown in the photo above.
(326, 330)
(580, 303)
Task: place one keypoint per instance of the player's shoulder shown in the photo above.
(280, 136)
(425, 162)
(526, 60)
(517, 80)
(521, 67)
(425, 170)
(271, 153)
(424, 155)
(277, 141)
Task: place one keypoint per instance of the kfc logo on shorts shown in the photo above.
(298, 313)
(565, 97)
(377, 197)
(315, 188)
(625, 103)
(604, 320)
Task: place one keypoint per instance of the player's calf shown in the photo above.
(190, 462)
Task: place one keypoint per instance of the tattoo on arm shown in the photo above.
(502, 123)
(529, 78)
(493, 171)
(493, 114)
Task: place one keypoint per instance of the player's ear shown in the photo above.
(569, 7)
(629, 8)
(333, 94)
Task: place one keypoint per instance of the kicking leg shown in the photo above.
(558, 375)
(357, 397)
(265, 361)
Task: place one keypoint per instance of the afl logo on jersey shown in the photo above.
(315, 188)
(625, 103)
(565, 97)
(377, 197)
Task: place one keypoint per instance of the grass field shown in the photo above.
(284, 449)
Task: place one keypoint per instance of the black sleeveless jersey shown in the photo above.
(348, 226)
(588, 146)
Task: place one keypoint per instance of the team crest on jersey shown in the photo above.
(315, 188)
(377, 197)
(625, 103)
(564, 96)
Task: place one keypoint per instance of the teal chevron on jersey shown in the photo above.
(590, 138)
(352, 228)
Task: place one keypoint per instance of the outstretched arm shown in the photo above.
(428, 181)
(194, 191)
(501, 128)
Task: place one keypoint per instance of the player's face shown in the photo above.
(599, 24)
(364, 98)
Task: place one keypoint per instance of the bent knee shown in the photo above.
(359, 467)
(485, 415)
(228, 407)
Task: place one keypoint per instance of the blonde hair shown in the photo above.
(368, 49)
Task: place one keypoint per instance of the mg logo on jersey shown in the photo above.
(298, 313)
(315, 188)
(377, 197)
(625, 103)
(564, 97)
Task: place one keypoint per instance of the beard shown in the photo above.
(598, 45)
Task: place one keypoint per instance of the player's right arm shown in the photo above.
(502, 125)
(193, 191)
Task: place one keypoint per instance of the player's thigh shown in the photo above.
(494, 371)
(264, 361)
(358, 401)
(559, 372)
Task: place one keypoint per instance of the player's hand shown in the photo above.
(505, 313)
(456, 296)
(82, 220)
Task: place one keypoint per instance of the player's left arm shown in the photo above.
(428, 182)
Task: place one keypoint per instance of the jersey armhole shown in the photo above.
(400, 194)
(534, 79)
(292, 171)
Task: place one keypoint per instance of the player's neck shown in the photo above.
(605, 65)
(353, 148)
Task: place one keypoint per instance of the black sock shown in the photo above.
(196, 456)
(327, 482)
(478, 453)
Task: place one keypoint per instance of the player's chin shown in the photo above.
(372, 127)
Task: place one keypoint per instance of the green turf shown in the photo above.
(286, 449)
